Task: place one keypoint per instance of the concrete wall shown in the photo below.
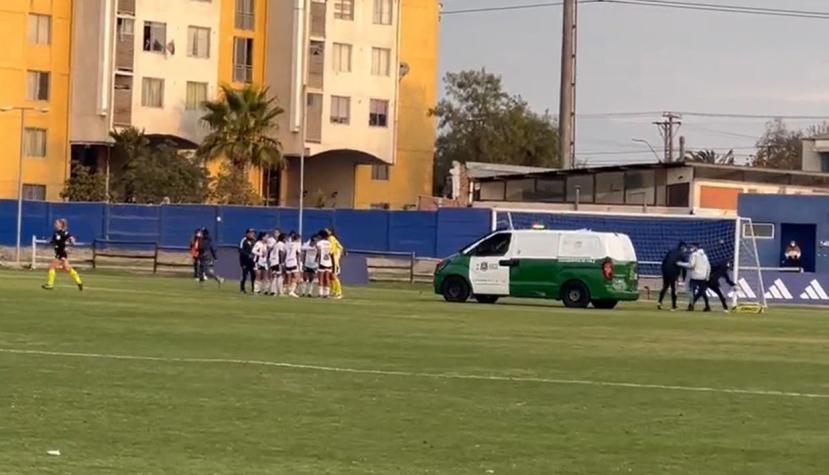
(176, 69)
(91, 98)
(411, 174)
(723, 195)
(17, 56)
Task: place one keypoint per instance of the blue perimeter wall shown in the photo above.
(426, 233)
(788, 209)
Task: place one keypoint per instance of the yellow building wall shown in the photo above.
(411, 175)
(17, 56)
(227, 32)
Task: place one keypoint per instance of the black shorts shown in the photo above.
(276, 268)
(309, 270)
(261, 267)
(290, 269)
(60, 255)
(326, 268)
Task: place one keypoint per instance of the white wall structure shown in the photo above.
(358, 83)
(175, 65)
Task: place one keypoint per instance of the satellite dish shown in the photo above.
(404, 69)
(171, 47)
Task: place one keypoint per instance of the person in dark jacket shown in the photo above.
(671, 272)
(195, 241)
(207, 256)
(720, 272)
(247, 261)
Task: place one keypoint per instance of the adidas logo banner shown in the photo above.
(783, 287)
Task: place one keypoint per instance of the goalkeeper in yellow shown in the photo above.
(60, 239)
(337, 251)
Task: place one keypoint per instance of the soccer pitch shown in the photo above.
(154, 375)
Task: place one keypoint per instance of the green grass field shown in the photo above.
(154, 375)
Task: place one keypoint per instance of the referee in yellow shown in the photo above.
(337, 251)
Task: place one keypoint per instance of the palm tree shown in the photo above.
(242, 125)
(710, 156)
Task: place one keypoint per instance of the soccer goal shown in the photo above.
(749, 296)
(725, 240)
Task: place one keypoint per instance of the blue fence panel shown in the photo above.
(458, 227)
(236, 219)
(133, 223)
(366, 230)
(412, 231)
(179, 223)
(86, 220)
(37, 221)
(314, 220)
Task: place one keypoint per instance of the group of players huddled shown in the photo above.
(280, 263)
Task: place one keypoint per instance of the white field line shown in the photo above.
(408, 374)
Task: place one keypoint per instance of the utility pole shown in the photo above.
(667, 129)
(567, 99)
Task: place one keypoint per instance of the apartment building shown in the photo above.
(339, 64)
(142, 63)
(34, 85)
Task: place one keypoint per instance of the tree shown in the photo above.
(151, 174)
(479, 122)
(242, 125)
(710, 156)
(84, 185)
(779, 147)
(232, 186)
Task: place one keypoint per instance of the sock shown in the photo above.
(292, 288)
(50, 277)
(336, 286)
(280, 289)
(257, 286)
(77, 278)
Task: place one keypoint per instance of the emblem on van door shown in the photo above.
(484, 266)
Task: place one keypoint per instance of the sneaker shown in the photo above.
(726, 310)
(47, 287)
(221, 281)
(80, 286)
(690, 308)
(294, 295)
(673, 309)
(707, 309)
(338, 297)
(659, 306)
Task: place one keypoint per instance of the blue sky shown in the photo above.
(636, 58)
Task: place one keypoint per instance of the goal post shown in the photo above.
(750, 293)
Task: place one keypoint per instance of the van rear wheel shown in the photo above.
(575, 295)
(455, 289)
(605, 304)
(488, 299)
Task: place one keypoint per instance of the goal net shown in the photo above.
(42, 253)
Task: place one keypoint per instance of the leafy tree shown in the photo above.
(711, 156)
(779, 147)
(242, 125)
(84, 185)
(479, 122)
(232, 186)
(151, 174)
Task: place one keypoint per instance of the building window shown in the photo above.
(152, 92)
(34, 192)
(37, 85)
(245, 17)
(378, 113)
(342, 58)
(340, 110)
(155, 36)
(198, 42)
(380, 61)
(196, 95)
(758, 230)
(126, 29)
(243, 59)
(344, 10)
(40, 29)
(380, 172)
(382, 12)
(34, 142)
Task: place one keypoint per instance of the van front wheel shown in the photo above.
(489, 299)
(605, 304)
(455, 289)
(575, 295)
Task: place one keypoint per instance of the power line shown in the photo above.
(682, 5)
(719, 115)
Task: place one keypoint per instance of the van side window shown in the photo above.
(576, 245)
(494, 246)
